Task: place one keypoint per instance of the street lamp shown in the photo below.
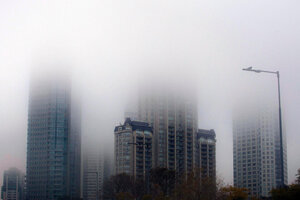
(280, 120)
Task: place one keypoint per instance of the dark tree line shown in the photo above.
(166, 184)
(290, 192)
(122, 186)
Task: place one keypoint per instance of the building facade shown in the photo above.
(93, 174)
(13, 185)
(53, 140)
(256, 150)
(174, 118)
(133, 148)
(205, 158)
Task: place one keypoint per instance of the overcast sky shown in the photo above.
(111, 46)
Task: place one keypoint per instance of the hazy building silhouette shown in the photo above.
(256, 150)
(133, 148)
(108, 166)
(54, 140)
(173, 116)
(205, 158)
(93, 174)
(13, 185)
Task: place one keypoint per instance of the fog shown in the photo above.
(112, 48)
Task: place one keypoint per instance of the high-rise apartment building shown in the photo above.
(256, 150)
(93, 174)
(173, 116)
(13, 185)
(53, 140)
(205, 158)
(133, 148)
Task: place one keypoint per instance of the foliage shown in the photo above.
(288, 193)
(124, 196)
(147, 197)
(121, 186)
(233, 193)
(162, 181)
(193, 187)
(166, 184)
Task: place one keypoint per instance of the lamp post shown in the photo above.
(280, 119)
